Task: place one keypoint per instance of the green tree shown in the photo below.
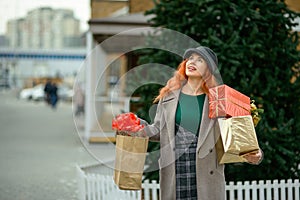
(258, 56)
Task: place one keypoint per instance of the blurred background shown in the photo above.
(61, 65)
(40, 40)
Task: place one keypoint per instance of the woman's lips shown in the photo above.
(191, 68)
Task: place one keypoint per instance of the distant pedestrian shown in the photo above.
(78, 99)
(47, 91)
(53, 95)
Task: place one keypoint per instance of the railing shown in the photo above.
(101, 187)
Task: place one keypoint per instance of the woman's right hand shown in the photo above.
(140, 133)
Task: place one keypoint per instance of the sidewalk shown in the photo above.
(39, 149)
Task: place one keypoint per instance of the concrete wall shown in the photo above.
(140, 5)
(102, 9)
(293, 5)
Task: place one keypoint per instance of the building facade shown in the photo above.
(45, 28)
(109, 58)
(18, 66)
(112, 8)
(293, 5)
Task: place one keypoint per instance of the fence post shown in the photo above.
(297, 188)
(254, 190)
(146, 190)
(93, 186)
(81, 178)
(240, 190)
(275, 189)
(290, 189)
(154, 189)
(282, 189)
(261, 189)
(269, 189)
(247, 190)
(231, 190)
(88, 187)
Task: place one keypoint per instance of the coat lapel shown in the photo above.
(170, 104)
(206, 124)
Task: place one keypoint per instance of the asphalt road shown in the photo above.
(39, 149)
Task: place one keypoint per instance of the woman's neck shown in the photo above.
(193, 87)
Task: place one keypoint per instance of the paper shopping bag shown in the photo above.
(238, 137)
(130, 160)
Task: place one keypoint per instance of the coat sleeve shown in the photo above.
(153, 130)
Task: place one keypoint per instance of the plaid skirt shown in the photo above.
(185, 164)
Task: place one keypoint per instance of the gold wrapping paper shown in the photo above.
(238, 137)
(130, 160)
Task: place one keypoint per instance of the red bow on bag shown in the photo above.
(127, 122)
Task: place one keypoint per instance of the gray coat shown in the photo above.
(210, 174)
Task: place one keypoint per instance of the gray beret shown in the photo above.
(207, 54)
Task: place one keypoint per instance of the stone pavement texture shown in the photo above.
(39, 150)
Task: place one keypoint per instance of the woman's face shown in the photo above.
(196, 66)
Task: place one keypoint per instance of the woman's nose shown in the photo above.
(192, 60)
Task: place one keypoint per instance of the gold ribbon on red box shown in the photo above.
(225, 101)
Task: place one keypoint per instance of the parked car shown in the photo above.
(65, 93)
(36, 93)
(26, 94)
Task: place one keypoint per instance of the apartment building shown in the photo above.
(44, 28)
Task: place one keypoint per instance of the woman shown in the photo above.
(188, 162)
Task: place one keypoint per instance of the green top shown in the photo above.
(189, 112)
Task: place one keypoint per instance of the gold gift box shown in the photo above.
(238, 137)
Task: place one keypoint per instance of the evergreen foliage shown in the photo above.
(258, 56)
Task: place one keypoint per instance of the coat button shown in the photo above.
(211, 172)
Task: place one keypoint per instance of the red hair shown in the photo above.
(179, 78)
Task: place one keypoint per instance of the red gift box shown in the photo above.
(225, 101)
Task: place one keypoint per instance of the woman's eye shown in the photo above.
(196, 59)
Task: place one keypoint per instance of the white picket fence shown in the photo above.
(93, 186)
(264, 190)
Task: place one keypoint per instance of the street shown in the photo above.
(39, 149)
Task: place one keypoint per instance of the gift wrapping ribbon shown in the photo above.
(229, 100)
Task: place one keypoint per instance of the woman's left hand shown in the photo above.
(254, 158)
